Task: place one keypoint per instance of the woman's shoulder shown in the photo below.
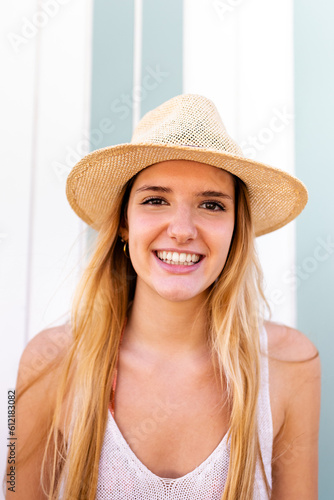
(295, 372)
(42, 353)
(295, 381)
(289, 344)
(58, 337)
(40, 370)
(35, 398)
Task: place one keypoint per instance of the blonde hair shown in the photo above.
(71, 459)
(236, 311)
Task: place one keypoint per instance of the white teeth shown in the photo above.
(175, 258)
(183, 257)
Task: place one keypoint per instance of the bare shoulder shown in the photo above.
(43, 350)
(289, 344)
(57, 337)
(41, 363)
(294, 361)
(36, 388)
(294, 367)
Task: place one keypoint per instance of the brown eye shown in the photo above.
(213, 206)
(154, 201)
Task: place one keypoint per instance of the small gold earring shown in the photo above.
(126, 249)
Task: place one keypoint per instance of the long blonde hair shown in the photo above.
(71, 459)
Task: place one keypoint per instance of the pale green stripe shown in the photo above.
(112, 72)
(314, 101)
(112, 76)
(162, 48)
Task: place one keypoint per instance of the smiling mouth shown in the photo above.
(178, 259)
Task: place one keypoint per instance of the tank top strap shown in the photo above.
(112, 399)
(264, 409)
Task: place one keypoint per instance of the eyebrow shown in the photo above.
(154, 188)
(215, 194)
(163, 189)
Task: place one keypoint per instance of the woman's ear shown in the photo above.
(123, 235)
(123, 230)
(124, 226)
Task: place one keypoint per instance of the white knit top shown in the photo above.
(123, 476)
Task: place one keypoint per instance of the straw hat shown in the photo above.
(187, 127)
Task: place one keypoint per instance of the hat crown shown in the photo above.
(186, 120)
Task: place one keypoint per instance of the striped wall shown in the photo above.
(80, 76)
(44, 102)
(203, 47)
(137, 74)
(112, 73)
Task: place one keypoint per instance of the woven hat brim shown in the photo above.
(276, 197)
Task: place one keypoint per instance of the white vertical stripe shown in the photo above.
(84, 242)
(235, 54)
(137, 59)
(34, 146)
(18, 57)
(210, 58)
(63, 138)
(266, 114)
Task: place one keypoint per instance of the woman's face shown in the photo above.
(180, 221)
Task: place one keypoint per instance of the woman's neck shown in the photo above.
(165, 327)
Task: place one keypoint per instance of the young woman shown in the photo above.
(167, 383)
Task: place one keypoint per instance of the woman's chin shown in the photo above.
(178, 295)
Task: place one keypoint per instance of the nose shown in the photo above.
(182, 226)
